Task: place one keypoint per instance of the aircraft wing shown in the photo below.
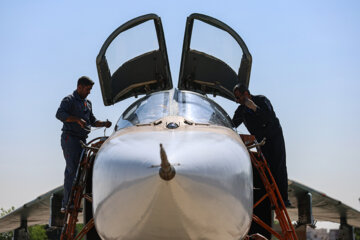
(37, 211)
(324, 208)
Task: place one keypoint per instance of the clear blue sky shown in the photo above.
(306, 60)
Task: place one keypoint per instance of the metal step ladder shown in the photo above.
(272, 192)
(78, 192)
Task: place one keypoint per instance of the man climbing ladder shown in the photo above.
(257, 113)
(271, 195)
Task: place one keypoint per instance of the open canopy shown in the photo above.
(214, 57)
(133, 60)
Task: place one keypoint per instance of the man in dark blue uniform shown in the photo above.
(258, 115)
(76, 113)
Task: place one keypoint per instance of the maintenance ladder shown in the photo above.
(78, 192)
(272, 192)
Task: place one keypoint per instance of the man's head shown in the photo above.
(241, 93)
(84, 86)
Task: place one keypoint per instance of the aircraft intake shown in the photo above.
(166, 171)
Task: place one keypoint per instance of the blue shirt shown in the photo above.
(74, 105)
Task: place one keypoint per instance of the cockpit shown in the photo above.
(193, 107)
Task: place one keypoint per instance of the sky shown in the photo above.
(306, 60)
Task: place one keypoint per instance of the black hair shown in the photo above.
(241, 88)
(85, 81)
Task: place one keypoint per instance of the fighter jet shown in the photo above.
(175, 166)
(207, 193)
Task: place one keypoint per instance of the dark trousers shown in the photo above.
(275, 154)
(263, 210)
(72, 151)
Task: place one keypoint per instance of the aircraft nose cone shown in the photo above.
(166, 171)
(209, 196)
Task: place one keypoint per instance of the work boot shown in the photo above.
(63, 209)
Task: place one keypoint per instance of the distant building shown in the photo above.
(334, 234)
(317, 234)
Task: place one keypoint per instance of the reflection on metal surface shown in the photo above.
(209, 198)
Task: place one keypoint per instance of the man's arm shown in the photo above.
(77, 120)
(96, 123)
(265, 111)
(63, 113)
(267, 115)
(106, 124)
(237, 119)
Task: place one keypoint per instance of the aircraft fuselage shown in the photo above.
(210, 196)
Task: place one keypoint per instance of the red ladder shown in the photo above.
(78, 192)
(272, 192)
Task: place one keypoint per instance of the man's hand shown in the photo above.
(107, 124)
(77, 120)
(250, 104)
(81, 122)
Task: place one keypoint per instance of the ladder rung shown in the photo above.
(259, 162)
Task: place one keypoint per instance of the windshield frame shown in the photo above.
(212, 103)
(173, 97)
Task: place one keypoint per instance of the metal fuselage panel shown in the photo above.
(209, 198)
